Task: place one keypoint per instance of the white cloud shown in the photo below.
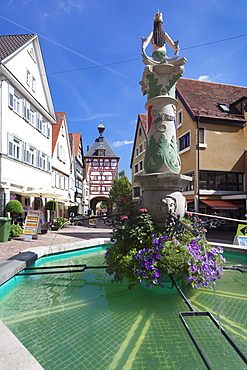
(99, 116)
(68, 5)
(121, 143)
(204, 78)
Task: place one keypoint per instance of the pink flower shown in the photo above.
(189, 213)
(143, 210)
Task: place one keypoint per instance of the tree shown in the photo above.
(14, 207)
(120, 194)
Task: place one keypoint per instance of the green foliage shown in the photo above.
(141, 255)
(73, 209)
(121, 192)
(14, 206)
(51, 205)
(15, 230)
(60, 222)
(134, 234)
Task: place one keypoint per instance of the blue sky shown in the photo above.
(91, 50)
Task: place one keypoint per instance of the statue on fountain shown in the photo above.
(162, 184)
(159, 38)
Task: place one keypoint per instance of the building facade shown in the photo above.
(138, 154)
(27, 115)
(61, 165)
(102, 169)
(212, 143)
(81, 193)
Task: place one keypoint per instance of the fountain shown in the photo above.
(162, 184)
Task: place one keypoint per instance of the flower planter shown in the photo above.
(169, 288)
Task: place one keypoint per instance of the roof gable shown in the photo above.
(101, 143)
(143, 123)
(23, 67)
(10, 43)
(203, 98)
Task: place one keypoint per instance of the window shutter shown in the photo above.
(10, 138)
(38, 158)
(27, 111)
(48, 163)
(11, 97)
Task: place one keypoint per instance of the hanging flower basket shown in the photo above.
(144, 257)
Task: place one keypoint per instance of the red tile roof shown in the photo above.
(202, 98)
(56, 128)
(75, 139)
(10, 43)
(143, 119)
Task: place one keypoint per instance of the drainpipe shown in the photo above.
(197, 172)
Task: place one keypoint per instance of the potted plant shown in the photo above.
(14, 207)
(15, 230)
(142, 255)
(60, 222)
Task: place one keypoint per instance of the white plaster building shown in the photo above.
(62, 166)
(26, 118)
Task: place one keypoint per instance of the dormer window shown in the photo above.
(223, 108)
(101, 152)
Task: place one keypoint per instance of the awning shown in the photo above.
(190, 200)
(219, 204)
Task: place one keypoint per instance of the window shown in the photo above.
(141, 148)
(48, 129)
(28, 154)
(11, 97)
(28, 77)
(38, 121)
(136, 168)
(202, 137)
(184, 141)
(136, 192)
(32, 117)
(141, 165)
(17, 103)
(33, 84)
(136, 152)
(228, 181)
(190, 185)
(14, 147)
(179, 118)
(41, 160)
(26, 110)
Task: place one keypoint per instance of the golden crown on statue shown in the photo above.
(158, 17)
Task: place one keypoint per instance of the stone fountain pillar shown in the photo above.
(162, 184)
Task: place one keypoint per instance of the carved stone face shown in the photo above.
(168, 205)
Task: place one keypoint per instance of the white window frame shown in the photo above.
(32, 117)
(14, 146)
(202, 144)
(26, 110)
(33, 83)
(189, 146)
(179, 118)
(39, 121)
(17, 103)
(28, 77)
(11, 97)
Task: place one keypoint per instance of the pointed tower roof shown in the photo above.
(102, 144)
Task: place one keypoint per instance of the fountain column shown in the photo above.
(162, 184)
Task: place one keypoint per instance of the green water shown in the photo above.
(83, 321)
